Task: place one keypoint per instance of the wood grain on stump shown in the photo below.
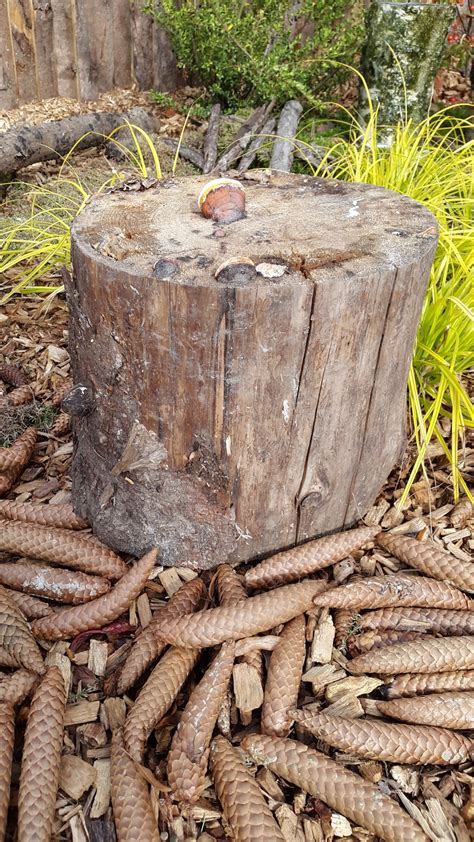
(223, 418)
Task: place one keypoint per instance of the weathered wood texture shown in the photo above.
(232, 418)
(25, 145)
(79, 48)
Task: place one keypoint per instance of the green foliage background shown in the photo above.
(253, 51)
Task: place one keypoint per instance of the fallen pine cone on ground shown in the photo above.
(168, 768)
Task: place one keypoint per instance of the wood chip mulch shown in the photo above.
(439, 797)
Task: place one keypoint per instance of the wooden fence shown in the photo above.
(79, 48)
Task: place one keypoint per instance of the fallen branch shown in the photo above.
(247, 160)
(284, 147)
(25, 145)
(252, 126)
(189, 153)
(210, 141)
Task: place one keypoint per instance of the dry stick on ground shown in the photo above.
(347, 793)
(376, 740)
(448, 710)
(283, 147)
(427, 654)
(68, 622)
(291, 565)
(58, 516)
(232, 622)
(69, 586)
(60, 546)
(189, 752)
(41, 759)
(263, 137)
(147, 647)
(284, 679)
(156, 697)
(209, 148)
(189, 153)
(25, 145)
(392, 590)
(429, 559)
(133, 814)
(16, 637)
(7, 736)
(436, 682)
(245, 809)
(252, 126)
(439, 620)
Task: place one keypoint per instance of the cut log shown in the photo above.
(233, 416)
(284, 146)
(25, 145)
(210, 141)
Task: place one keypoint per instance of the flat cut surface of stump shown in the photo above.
(231, 417)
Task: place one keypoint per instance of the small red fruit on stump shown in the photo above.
(222, 200)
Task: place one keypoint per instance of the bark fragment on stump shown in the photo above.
(234, 417)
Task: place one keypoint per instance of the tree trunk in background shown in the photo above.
(232, 411)
(416, 33)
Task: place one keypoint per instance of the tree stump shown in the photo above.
(224, 415)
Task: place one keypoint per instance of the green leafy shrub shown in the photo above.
(253, 51)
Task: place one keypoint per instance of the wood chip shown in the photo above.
(407, 779)
(371, 770)
(78, 829)
(288, 822)
(340, 826)
(81, 712)
(54, 658)
(112, 713)
(352, 686)
(347, 706)
(170, 580)
(98, 654)
(394, 517)
(343, 569)
(319, 677)
(102, 783)
(313, 831)
(376, 513)
(92, 734)
(323, 640)
(75, 776)
(144, 610)
(186, 574)
(269, 783)
(248, 690)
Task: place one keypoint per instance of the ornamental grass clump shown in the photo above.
(38, 245)
(429, 162)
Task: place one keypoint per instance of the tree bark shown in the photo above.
(234, 413)
(403, 52)
(28, 144)
(284, 147)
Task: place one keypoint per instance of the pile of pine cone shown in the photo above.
(413, 631)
